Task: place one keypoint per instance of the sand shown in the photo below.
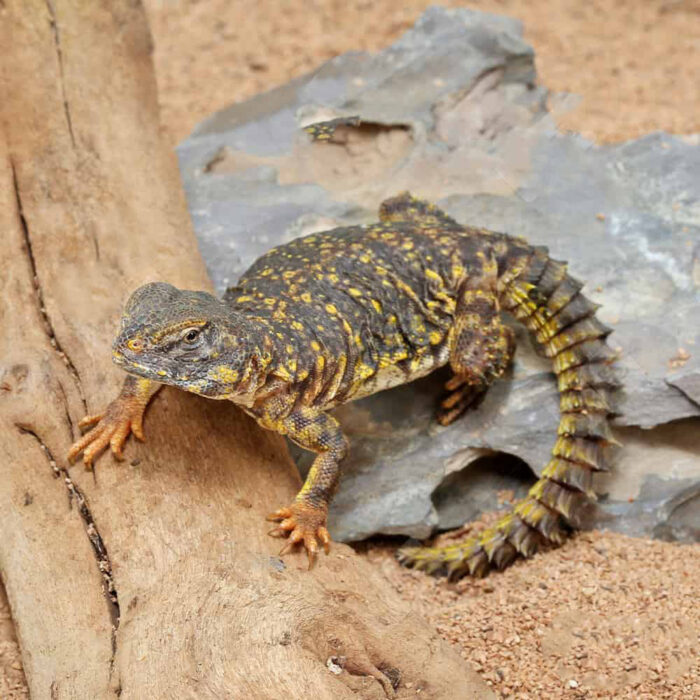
(604, 616)
(633, 62)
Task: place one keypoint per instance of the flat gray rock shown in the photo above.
(452, 113)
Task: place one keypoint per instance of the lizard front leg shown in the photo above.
(304, 521)
(122, 416)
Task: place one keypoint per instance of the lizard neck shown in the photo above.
(244, 362)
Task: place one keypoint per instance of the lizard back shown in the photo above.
(376, 302)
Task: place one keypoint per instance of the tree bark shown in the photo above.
(150, 578)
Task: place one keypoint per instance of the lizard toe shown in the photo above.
(302, 523)
(90, 421)
(280, 514)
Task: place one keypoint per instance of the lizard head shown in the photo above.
(191, 340)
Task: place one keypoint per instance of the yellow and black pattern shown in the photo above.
(341, 314)
(343, 305)
(481, 349)
(539, 293)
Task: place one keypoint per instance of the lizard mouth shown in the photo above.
(130, 363)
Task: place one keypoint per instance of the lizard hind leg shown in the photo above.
(481, 348)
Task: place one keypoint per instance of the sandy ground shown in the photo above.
(605, 616)
(634, 62)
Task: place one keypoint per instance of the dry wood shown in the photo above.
(90, 207)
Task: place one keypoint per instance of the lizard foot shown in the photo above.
(462, 395)
(111, 428)
(302, 523)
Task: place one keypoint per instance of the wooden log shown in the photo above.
(154, 577)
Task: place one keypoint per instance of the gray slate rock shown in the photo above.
(451, 112)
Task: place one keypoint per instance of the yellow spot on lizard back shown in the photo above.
(283, 373)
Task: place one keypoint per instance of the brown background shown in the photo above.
(606, 615)
(634, 62)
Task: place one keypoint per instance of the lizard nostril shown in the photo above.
(135, 344)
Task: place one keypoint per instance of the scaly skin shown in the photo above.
(122, 417)
(341, 314)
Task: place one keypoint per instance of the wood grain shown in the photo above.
(91, 206)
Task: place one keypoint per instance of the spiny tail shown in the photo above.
(539, 293)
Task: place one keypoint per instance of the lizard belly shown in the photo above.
(404, 372)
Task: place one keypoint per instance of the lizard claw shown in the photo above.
(302, 523)
(109, 429)
(89, 421)
(280, 514)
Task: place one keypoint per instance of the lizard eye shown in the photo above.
(191, 335)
